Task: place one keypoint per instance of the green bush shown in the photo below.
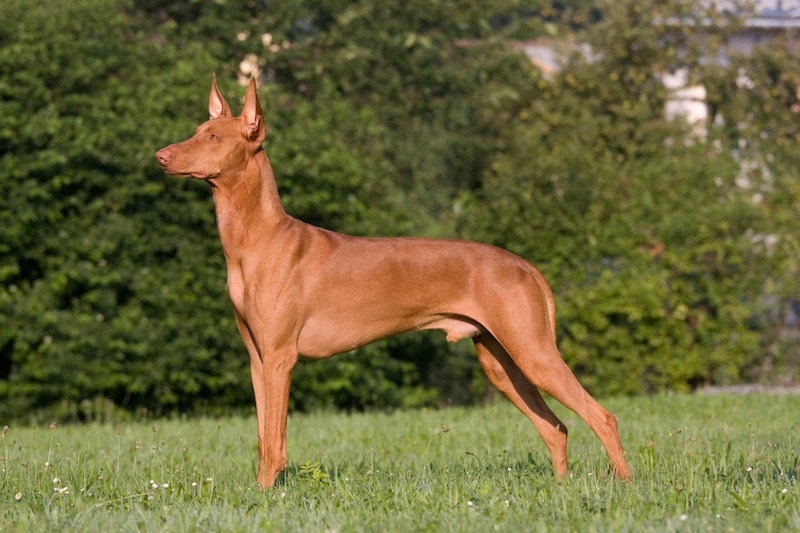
(673, 259)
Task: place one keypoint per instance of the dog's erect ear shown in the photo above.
(217, 106)
(251, 113)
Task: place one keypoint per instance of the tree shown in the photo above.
(103, 258)
(643, 229)
(112, 279)
(673, 258)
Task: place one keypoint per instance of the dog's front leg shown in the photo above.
(274, 376)
(271, 377)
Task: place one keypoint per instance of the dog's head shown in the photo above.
(222, 144)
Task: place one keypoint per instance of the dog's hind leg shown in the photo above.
(509, 379)
(542, 364)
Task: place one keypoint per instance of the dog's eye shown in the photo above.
(213, 137)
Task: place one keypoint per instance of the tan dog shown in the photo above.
(298, 290)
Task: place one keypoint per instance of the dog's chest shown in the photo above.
(236, 289)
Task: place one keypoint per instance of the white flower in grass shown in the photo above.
(61, 490)
(785, 490)
(18, 496)
(684, 517)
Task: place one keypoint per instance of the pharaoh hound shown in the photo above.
(299, 290)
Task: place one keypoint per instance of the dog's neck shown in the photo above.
(247, 198)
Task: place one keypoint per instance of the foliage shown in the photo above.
(718, 463)
(655, 246)
(113, 285)
(672, 257)
(104, 259)
(417, 71)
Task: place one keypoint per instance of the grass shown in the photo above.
(701, 463)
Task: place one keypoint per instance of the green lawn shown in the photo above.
(716, 463)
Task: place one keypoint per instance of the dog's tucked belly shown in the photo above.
(318, 340)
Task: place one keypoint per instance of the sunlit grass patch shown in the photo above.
(700, 463)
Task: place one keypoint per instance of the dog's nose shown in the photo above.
(163, 156)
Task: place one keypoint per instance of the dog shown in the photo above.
(299, 290)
